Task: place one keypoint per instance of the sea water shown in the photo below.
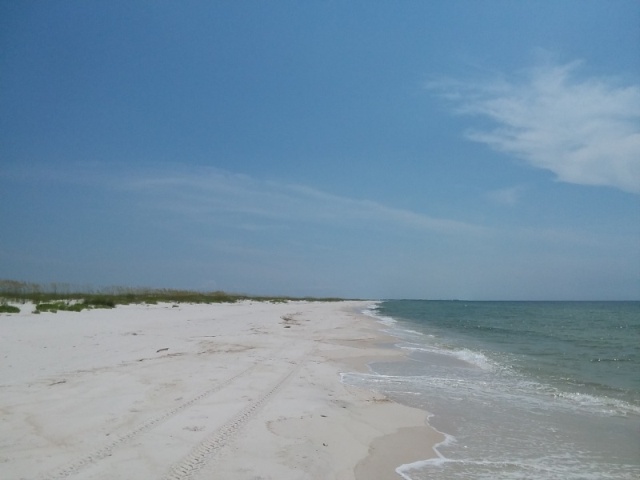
(521, 390)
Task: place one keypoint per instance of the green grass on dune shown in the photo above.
(74, 306)
(57, 297)
(4, 308)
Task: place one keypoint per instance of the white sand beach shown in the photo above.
(232, 391)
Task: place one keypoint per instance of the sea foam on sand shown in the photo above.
(245, 391)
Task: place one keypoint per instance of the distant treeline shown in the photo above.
(63, 296)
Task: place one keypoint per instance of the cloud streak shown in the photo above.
(506, 196)
(211, 193)
(585, 131)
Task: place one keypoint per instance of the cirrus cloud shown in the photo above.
(586, 131)
(208, 193)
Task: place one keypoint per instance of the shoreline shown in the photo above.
(247, 390)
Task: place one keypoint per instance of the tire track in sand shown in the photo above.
(203, 452)
(105, 451)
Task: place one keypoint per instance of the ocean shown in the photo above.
(521, 390)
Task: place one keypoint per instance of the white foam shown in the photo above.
(414, 332)
(547, 468)
(477, 359)
(375, 377)
(372, 311)
(605, 405)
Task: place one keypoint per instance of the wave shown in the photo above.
(372, 311)
(604, 405)
(513, 404)
(517, 390)
(549, 467)
(475, 358)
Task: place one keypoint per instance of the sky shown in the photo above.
(434, 150)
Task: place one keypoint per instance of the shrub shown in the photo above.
(99, 302)
(76, 307)
(9, 309)
(50, 307)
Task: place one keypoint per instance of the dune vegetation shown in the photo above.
(54, 297)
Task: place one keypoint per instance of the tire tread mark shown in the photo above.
(105, 451)
(201, 454)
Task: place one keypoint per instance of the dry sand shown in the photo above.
(241, 391)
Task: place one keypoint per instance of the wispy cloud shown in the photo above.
(506, 196)
(203, 194)
(586, 131)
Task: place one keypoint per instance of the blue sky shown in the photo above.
(472, 150)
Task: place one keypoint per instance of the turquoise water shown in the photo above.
(522, 390)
